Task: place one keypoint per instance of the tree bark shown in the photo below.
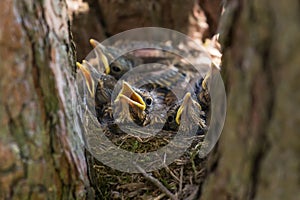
(258, 154)
(41, 147)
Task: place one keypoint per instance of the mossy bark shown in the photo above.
(258, 154)
(41, 151)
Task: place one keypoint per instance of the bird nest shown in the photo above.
(181, 179)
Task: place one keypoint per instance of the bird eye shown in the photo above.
(148, 101)
(170, 118)
(115, 68)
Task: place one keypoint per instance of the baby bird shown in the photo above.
(114, 64)
(100, 87)
(184, 115)
(143, 105)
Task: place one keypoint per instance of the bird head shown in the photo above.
(130, 104)
(114, 64)
(88, 76)
(189, 112)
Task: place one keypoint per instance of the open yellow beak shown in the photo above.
(213, 69)
(130, 96)
(88, 78)
(100, 52)
(187, 101)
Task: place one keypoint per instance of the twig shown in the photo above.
(160, 197)
(181, 177)
(156, 182)
(193, 195)
(171, 173)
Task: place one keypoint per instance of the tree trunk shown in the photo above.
(258, 154)
(41, 147)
